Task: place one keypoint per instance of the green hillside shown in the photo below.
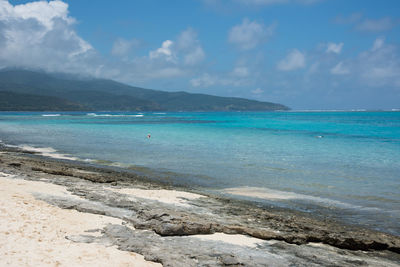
(36, 91)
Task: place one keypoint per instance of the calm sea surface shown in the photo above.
(343, 165)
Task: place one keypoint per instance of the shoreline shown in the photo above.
(183, 215)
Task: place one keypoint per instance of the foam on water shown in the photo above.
(270, 194)
(45, 151)
(51, 115)
(114, 115)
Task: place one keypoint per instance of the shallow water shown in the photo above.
(345, 165)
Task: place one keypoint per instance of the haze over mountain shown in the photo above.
(27, 90)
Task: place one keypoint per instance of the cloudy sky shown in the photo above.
(307, 54)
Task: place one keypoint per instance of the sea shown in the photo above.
(340, 165)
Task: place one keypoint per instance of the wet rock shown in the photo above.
(15, 164)
(230, 260)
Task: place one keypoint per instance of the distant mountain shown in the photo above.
(37, 91)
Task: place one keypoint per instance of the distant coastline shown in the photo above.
(23, 90)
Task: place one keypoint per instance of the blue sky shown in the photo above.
(307, 54)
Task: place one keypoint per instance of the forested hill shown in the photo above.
(37, 91)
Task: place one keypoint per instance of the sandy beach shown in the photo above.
(65, 213)
(33, 233)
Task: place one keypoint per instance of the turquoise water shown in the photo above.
(343, 165)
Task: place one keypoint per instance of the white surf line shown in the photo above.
(45, 151)
(270, 194)
(51, 115)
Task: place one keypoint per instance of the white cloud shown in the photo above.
(195, 56)
(186, 49)
(205, 80)
(340, 69)
(294, 60)
(239, 76)
(41, 35)
(122, 47)
(257, 91)
(378, 44)
(250, 34)
(44, 12)
(334, 48)
(377, 25)
(314, 68)
(240, 72)
(175, 58)
(165, 51)
(190, 46)
(380, 66)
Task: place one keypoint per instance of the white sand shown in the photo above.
(240, 240)
(179, 198)
(32, 232)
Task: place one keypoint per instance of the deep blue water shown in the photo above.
(345, 165)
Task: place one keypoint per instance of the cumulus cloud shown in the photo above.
(340, 69)
(294, 60)
(334, 48)
(257, 91)
(239, 76)
(190, 46)
(174, 58)
(204, 80)
(250, 34)
(380, 66)
(240, 72)
(165, 51)
(122, 47)
(378, 44)
(41, 35)
(44, 12)
(186, 49)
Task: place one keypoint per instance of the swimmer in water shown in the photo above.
(148, 136)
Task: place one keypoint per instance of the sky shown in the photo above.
(306, 54)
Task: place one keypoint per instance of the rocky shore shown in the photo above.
(175, 227)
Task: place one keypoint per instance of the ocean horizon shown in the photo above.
(342, 165)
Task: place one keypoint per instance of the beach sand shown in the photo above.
(33, 233)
